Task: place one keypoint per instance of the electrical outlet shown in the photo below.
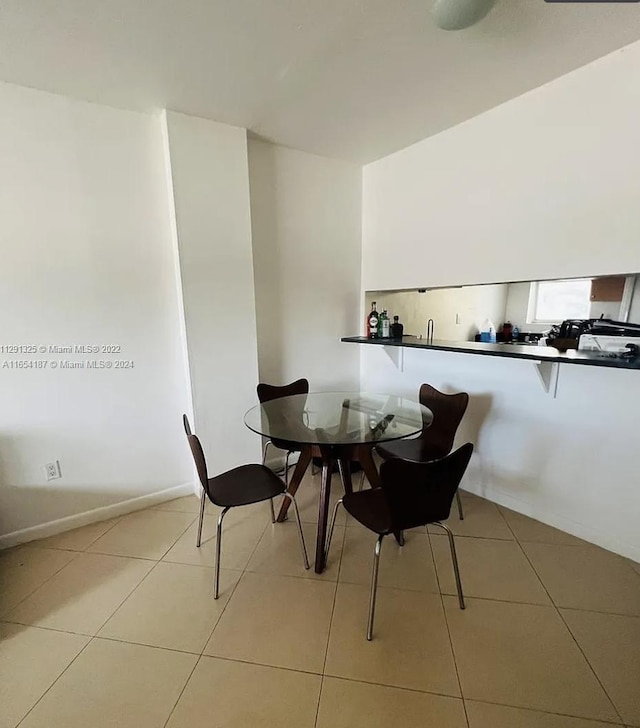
(52, 470)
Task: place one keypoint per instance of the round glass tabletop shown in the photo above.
(338, 418)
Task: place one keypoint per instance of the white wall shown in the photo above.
(518, 308)
(634, 309)
(570, 462)
(544, 186)
(306, 218)
(209, 177)
(86, 259)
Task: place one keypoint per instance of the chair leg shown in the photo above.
(331, 525)
(361, 486)
(459, 502)
(264, 451)
(273, 513)
(305, 558)
(216, 584)
(374, 586)
(203, 501)
(454, 559)
(286, 469)
(264, 460)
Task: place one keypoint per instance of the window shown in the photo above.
(554, 301)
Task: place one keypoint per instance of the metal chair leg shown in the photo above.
(331, 525)
(374, 586)
(264, 460)
(203, 502)
(264, 451)
(216, 583)
(273, 512)
(305, 558)
(459, 502)
(454, 559)
(286, 469)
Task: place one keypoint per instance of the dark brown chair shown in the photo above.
(436, 440)
(413, 494)
(203, 494)
(240, 486)
(269, 392)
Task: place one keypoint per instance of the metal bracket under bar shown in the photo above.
(396, 354)
(548, 373)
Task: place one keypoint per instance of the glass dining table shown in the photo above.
(339, 428)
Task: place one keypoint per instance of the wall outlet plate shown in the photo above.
(52, 470)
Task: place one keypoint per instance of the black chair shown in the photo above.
(435, 441)
(240, 486)
(412, 494)
(268, 392)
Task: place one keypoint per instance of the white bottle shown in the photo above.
(488, 332)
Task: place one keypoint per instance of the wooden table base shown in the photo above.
(343, 455)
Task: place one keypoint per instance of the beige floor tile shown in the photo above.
(611, 644)
(523, 655)
(24, 568)
(482, 519)
(276, 620)
(279, 552)
(485, 715)
(350, 704)
(79, 538)
(586, 578)
(30, 661)
(488, 569)
(114, 685)
(528, 529)
(227, 694)
(83, 595)
(172, 608)
(308, 497)
(407, 567)
(146, 534)
(186, 504)
(410, 646)
(191, 504)
(240, 536)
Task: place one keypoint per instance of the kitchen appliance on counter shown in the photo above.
(604, 343)
(600, 335)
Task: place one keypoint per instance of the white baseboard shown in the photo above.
(53, 528)
(604, 539)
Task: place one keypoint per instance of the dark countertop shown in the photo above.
(511, 351)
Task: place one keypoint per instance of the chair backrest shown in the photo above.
(187, 426)
(448, 411)
(421, 493)
(267, 392)
(198, 455)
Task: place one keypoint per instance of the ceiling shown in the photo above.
(354, 79)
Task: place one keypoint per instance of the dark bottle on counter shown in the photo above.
(507, 331)
(373, 321)
(396, 328)
(383, 325)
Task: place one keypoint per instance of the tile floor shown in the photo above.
(115, 625)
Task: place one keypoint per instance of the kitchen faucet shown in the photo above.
(430, 331)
